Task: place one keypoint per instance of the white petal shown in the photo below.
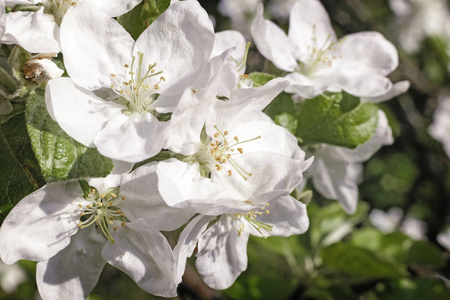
(303, 86)
(145, 255)
(287, 215)
(115, 8)
(366, 51)
(228, 39)
(383, 136)
(242, 105)
(309, 27)
(386, 222)
(268, 181)
(74, 271)
(222, 254)
(187, 121)
(179, 41)
(397, 89)
(443, 238)
(181, 185)
(80, 113)
(272, 42)
(121, 167)
(35, 31)
(361, 83)
(335, 179)
(143, 200)
(131, 138)
(51, 219)
(94, 46)
(187, 242)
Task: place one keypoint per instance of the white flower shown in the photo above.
(72, 236)
(221, 254)
(118, 87)
(237, 164)
(357, 63)
(443, 238)
(38, 31)
(336, 171)
(440, 128)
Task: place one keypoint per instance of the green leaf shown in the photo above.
(393, 246)
(144, 14)
(330, 220)
(60, 157)
(282, 104)
(260, 79)
(20, 174)
(16, 60)
(288, 121)
(359, 262)
(337, 119)
(7, 82)
(424, 253)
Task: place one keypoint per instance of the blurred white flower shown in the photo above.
(389, 221)
(241, 13)
(11, 276)
(443, 238)
(440, 128)
(418, 19)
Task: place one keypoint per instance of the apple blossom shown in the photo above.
(72, 232)
(440, 127)
(37, 30)
(336, 170)
(113, 101)
(317, 62)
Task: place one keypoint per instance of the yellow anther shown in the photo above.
(216, 134)
(123, 197)
(156, 87)
(229, 173)
(113, 75)
(240, 150)
(267, 211)
(92, 191)
(112, 86)
(122, 224)
(236, 139)
(119, 211)
(225, 132)
(153, 71)
(82, 214)
(267, 204)
(162, 78)
(218, 167)
(99, 204)
(80, 206)
(102, 196)
(79, 224)
(115, 228)
(111, 218)
(126, 65)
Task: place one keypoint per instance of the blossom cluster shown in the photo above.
(180, 92)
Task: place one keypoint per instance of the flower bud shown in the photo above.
(40, 69)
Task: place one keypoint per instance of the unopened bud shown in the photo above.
(41, 69)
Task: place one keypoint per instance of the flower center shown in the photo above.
(250, 217)
(138, 89)
(319, 56)
(58, 8)
(103, 212)
(217, 154)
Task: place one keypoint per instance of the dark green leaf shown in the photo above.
(60, 157)
(140, 17)
(281, 104)
(20, 174)
(424, 253)
(337, 119)
(359, 262)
